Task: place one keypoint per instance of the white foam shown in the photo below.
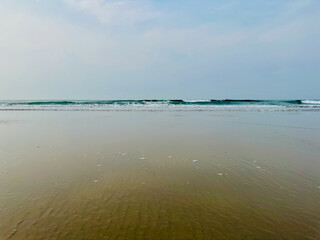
(310, 105)
(311, 102)
(195, 161)
(194, 101)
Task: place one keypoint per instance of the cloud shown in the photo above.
(299, 5)
(115, 11)
(54, 43)
(200, 40)
(284, 33)
(61, 58)
(225, 6)
(54, 54)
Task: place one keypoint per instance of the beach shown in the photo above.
(159, 175)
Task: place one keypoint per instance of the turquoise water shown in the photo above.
(164, 105)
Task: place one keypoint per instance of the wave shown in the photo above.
(165, 104)
(170, 101)
(43, 103)
(311, 102)
(253, 101)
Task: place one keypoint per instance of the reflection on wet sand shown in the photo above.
(156, 176)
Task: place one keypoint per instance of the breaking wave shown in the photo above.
(164, 105)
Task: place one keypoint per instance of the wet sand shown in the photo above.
(159, 175)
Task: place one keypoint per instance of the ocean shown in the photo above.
(162, 105)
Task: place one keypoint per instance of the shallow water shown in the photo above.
(133, 175)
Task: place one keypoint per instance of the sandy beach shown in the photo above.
(159, 120)
(159, 175)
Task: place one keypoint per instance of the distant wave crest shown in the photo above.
(311, 102)
(164, 105)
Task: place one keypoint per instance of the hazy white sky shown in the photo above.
(126, 49)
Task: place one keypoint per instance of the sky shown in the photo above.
(159, 49)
